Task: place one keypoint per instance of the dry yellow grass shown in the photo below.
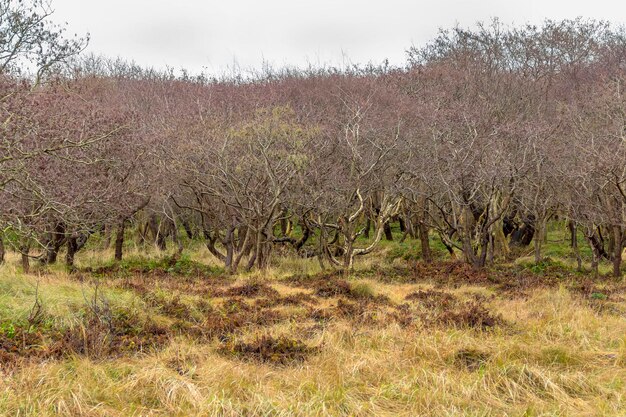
(556, 356)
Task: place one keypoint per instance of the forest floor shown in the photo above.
(396, 337)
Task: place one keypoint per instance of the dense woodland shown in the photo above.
(443, 237)
(482, 138)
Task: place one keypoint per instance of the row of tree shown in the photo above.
(481, 139)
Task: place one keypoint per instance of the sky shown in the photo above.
(216, 36)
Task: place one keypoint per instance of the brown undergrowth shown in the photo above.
(268, 349)
(206, 308)
(401, 337)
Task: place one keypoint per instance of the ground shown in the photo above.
(396, 337)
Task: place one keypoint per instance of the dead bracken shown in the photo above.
(94, 338)
(271, 350)
(469, 314)
(249, 290)
(287, 300)
(432, 298)
(333, 288)
(472, 359)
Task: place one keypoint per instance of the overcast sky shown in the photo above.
(212, 35)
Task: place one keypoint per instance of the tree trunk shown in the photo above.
(284, 226)
(407, 222)
(244, 250)
(324, 253)
(229, 244)
(540, 231)
(499, 246)
(465, 235)
(386, 211)
(107, 237)
(57, 239)
(257, 251)
(481, 260)
(348, 260)
(321, 247)
(537, 249)
(51, 255)
(2, 251)
(595, 254)
(597, 242)
(306, 233)
(176, 240)
(573, 241)
(388, 233)
(210, 240)
(25, 249)
(72, 248)
(242, 233)
(141, 233)
(119, 240)
(402, 224)
(160, 235)
(449, 247)
(161, 243)
(425, 242)
(611, 243)
(617, 251)
(187, 228)
(579, 259)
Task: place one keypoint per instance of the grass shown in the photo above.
(558, 348)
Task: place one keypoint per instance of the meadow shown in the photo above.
(396, 337)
